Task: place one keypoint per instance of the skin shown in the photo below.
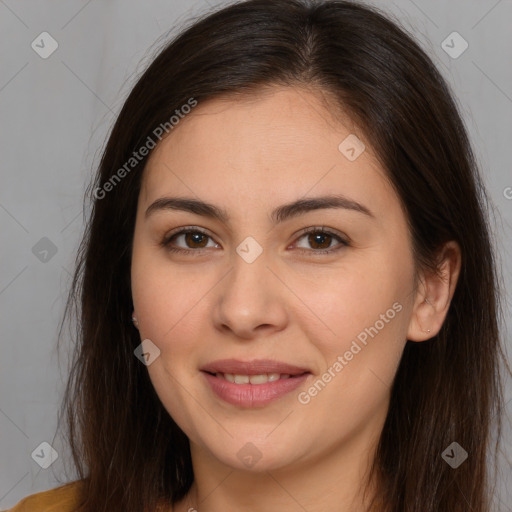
(291, 304)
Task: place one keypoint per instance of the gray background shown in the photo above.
(55, 115)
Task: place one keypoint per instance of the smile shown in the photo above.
(261, 378)
(249, 391)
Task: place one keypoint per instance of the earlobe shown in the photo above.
(434, 296)
(134, 320)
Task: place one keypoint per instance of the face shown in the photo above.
(325, 287)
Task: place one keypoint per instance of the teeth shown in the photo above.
(242, 379)
(253, 379)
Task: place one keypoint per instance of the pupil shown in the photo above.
(317, 240)
(195, 238)
(320, 239)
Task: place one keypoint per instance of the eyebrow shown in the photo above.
(280, 214)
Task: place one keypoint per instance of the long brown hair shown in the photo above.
(127, 449)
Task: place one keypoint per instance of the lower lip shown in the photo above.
(253, 395)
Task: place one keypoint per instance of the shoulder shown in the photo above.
(62, 499)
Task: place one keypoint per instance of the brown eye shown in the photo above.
(318, 240)
(194, 239)
(187, 241)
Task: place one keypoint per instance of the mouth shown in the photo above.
(256, 367)
(261, 378)
(247, 384)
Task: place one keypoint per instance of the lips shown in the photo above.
(254, 367)
(254, 383)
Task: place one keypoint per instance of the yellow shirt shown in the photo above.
(61, 499)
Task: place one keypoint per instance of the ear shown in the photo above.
(434, 295)
(135, 321)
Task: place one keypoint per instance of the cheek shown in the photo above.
(169, 309)
(171, 312)
(361, 360)
(164, 295)
(340, 306)
(364, 318)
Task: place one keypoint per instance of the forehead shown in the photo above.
(281, 141)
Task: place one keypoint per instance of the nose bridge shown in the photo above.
(249, 281)
(250, 296)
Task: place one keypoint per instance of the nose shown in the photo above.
(251, 300)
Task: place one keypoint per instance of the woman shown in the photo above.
(287, 290)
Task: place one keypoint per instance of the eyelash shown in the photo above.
(166, 242)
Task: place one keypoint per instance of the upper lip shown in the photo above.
(254, 367)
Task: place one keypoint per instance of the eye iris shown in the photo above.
(319, 238)
(194, 238)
